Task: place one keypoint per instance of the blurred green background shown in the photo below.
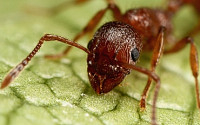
(58, 92)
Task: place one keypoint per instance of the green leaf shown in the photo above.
(58, 92)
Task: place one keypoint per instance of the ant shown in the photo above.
(116, 46)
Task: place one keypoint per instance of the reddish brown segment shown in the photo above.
(116, 46)
(194, 62)
(107, 48)
(157, 52)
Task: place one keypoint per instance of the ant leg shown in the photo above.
(193, 60)
(115, 10)
(195, 67)
(90, 27)
(47, 37)
(157, 52)
(153, 76)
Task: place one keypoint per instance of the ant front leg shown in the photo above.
(193, 60)
(153, 76)
(157, 52)
(48, 37)
(91, 26)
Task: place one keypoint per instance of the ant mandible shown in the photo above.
(116, 46)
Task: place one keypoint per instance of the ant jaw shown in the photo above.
(103, 84)
(97, 82)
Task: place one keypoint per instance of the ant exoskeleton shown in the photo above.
(116, 46)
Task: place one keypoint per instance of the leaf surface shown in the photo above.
(58, 92)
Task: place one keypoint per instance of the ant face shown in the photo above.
(104, 74)
(113, 43)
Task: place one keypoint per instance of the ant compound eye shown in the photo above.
(135, 54)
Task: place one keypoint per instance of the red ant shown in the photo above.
(116, 46)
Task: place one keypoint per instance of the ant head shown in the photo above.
(114, 43)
